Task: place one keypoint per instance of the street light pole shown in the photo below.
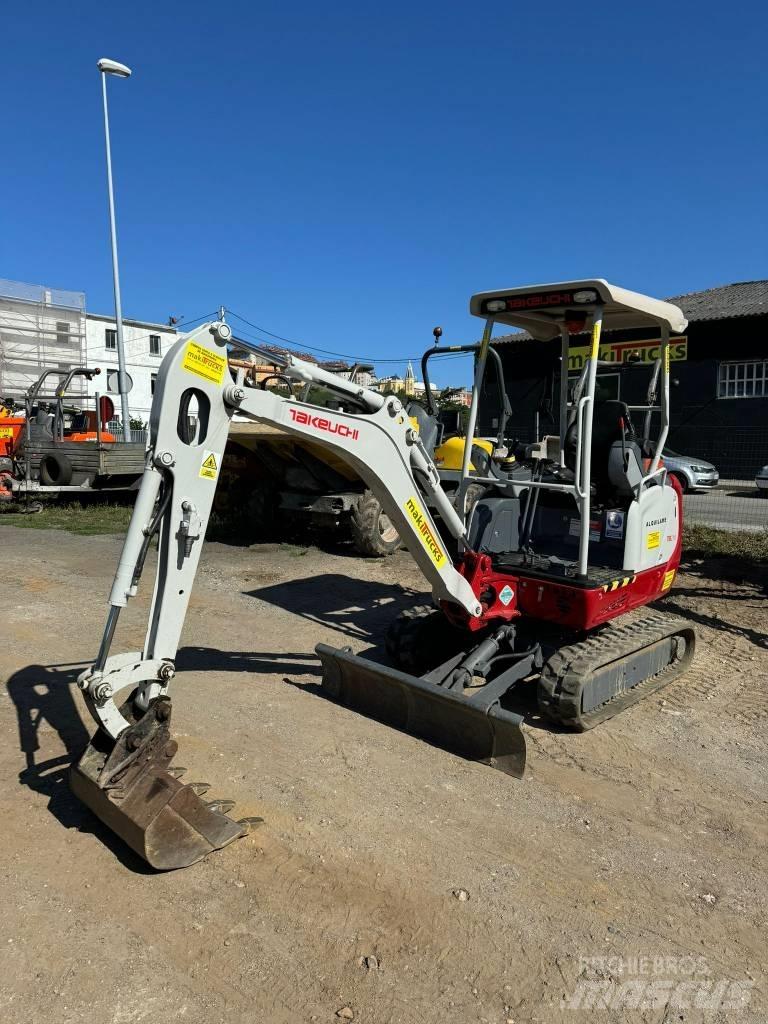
(111, 67)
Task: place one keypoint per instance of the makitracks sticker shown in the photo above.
(205, 363)
(210, 468)
(424, 531)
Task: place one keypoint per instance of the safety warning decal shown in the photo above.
(424, 531)
(653, 540)
(210, 466)
(205, 363)
(668, 577)
(506, 594)
(6, 431)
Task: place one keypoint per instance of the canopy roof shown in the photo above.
(541, 309)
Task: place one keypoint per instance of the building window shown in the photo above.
(743, 380)
(62, 332)
(154, 344)
(152, 382)
(110, 338)
(607, 386)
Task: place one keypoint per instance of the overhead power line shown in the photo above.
(327, 352)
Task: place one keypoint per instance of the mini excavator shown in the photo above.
(562, 541)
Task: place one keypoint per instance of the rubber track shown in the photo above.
(565, 673)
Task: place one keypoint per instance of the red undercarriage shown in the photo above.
(575, 607)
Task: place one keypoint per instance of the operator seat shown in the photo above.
(429, 428)
(617, 460)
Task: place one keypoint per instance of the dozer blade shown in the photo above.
(447, 719)
(128, 785)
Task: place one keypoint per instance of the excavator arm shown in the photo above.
(195, 400)
(125, 774)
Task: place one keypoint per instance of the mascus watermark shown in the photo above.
(654, 983)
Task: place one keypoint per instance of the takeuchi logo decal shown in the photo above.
(323, 423)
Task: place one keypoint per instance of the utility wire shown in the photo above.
(328, 352)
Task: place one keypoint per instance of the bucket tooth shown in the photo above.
(129, 786)
(177, 772)
(249, 824)
(222, 806)
(199, 788)
(435, 713)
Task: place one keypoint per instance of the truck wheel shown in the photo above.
(372, 532)
(55, 470)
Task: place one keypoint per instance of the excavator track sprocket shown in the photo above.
(584, 684)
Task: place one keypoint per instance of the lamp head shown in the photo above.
(111, 67)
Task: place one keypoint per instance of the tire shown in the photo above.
(55, 470)
(685, 487)
(372, 532)
(421, 638)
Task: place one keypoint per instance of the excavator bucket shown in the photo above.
(439, 715)
(130, 786)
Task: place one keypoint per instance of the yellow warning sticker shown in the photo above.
(668, 577)
(6, 431)
(210, 466)
(205, 363)
(653, 539)
(666, 359)
(424, 530)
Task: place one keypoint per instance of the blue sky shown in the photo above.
(348, 174)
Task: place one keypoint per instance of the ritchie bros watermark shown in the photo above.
(654, 983)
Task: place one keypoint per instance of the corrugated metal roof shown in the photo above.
(745, 298)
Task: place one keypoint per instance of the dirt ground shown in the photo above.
(636, 852)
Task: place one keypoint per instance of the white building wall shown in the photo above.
(40, 328)
(141, 364)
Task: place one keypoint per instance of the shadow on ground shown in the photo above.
(43, 695)
(733, 568)
(755, 636)
(211, 659)
(359, 609)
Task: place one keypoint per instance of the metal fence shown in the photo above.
(115, 427)
(738, 454)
